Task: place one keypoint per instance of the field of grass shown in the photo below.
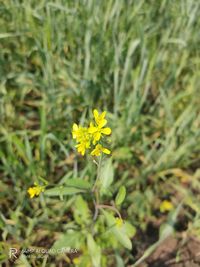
(139, 61)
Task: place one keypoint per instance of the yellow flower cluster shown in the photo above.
(35, 190)
(86, 137)
(119, 222)
(166, 206)
(76, 261)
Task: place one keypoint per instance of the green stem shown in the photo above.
(98, 173)
(111, 208)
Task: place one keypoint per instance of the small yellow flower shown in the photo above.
(99, 149)
(76, 260)
(166, 206)
(85, 137)
(119, 222)
(82, 137)
(100, 118)
(82, 147)
(97, 130)
(35, 190)
(80, 133)
(75, 131)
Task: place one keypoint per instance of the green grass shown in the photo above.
(139, 60)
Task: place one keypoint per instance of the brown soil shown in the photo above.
(175, 252)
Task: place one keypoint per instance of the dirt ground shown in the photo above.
(175, 252)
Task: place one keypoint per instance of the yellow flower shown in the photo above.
(80, 133)
(98, 149)
(82, 137)
(76, 260)
(35, 190)
(166, 206)
(119, 222)
(97, 130)
(82, 148)
(100, 118)
(75, 131)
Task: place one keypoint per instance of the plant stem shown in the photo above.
(109, 207)
(98, 173)
(96, 201)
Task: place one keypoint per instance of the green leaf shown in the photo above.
(122, 153)
(94, 251)
(20, 148)
(70, 240)
(129, 229)
(120, 195)
(119, 232)
(62, 191)
(165, 230)
(78, 183)
(107, 174)
(119, 261)
(81, 210)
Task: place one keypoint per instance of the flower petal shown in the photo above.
(81, 149)
(96, 114)
(99, 146)
(95, 152)
(106, 151)
(75, 127)
(97, 136)
(101, 123)
(106, 131)
(102, 116)
(92, 129)
(74, 130)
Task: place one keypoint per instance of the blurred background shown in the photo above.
(139, 61)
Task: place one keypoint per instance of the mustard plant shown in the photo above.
(96, 212)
